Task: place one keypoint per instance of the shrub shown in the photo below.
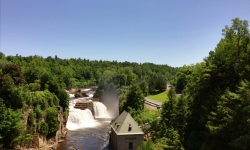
(44, 128)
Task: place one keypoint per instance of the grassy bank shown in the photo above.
(161, 97)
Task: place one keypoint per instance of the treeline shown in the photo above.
(83, 72)
(32, 88)
(213, 111)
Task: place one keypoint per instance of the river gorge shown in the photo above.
(88, 130)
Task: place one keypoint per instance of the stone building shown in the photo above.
(125, 133)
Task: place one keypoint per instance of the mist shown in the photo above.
(111, 101)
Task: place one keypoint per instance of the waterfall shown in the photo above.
(83, 130)
(79, 119)
(100, 110)
(83, 118)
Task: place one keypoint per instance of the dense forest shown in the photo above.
(210, 111)
(83, 72)
(213, 110)
(32, 88)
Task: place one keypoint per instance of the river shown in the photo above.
(85, 131)
(88, 138)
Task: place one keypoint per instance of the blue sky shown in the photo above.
(173, 32)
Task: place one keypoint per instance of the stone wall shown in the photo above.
(85, 105)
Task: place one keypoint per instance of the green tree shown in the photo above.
(181, 116)
(2, 56)
(134, 99)
(52, 120)
(170, 123)
(12, 128)
(151, 84)
(3, 61)
(232, 109)
(31, 122)
(44, 128)
(161, 84)
(2, 117)
(23, 139)
(169, 140)
(222, 71)
(168, 112)
(144, 87)
(6, 87)
(147, 145)
(182, 77)
(15, 72)
(97, 76)
(34, 86)
(131, 77)
(64, 99)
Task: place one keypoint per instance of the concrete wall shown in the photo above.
(121, 142)
(124, 140)
(150, 107)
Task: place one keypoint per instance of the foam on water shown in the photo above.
(86, 89)
(100, 110)
(71, 95)
(78, 118)
(79, 122)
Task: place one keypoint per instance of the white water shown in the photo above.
(78, 118)
(86, 89)
(71, 95)
(100, 110)
(83, 131)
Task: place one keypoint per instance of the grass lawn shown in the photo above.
(161, 97)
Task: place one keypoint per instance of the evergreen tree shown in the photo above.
(134, 99)
(161, 84)
(180, 118)
(168, 109)
(221, 72)
(144, 88)
(229, 125)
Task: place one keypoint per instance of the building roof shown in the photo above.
(125, 125)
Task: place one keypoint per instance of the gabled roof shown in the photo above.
(125, 124)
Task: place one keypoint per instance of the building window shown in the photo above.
(130, 145)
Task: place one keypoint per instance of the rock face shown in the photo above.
(40, 142)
